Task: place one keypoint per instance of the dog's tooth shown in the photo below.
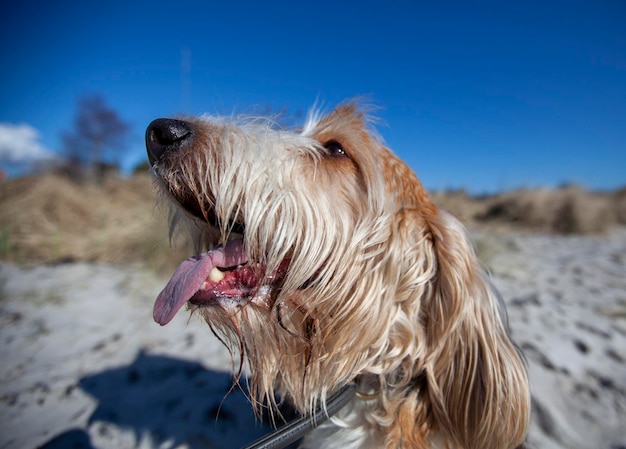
(216, 275)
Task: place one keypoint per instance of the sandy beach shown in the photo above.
(85, 366)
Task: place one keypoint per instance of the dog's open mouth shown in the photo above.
(221, 275)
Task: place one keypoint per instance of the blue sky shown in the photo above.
(484, 96)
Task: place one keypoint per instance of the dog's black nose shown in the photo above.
(164, 135)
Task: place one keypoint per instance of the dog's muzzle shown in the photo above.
(166, 135)
(223, 276)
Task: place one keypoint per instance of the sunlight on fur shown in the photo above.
(322, 261)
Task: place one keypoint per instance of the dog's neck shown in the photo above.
(348, 429)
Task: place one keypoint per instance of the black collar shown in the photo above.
(296, 429)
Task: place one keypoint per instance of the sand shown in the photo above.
(83, 364)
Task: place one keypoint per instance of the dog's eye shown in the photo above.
(335, 148)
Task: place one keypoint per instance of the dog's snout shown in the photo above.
(164, 135)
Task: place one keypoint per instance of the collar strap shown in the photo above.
(296, 429)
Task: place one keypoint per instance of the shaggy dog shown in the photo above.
(324, 262)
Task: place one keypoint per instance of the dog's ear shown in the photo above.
(476, 379)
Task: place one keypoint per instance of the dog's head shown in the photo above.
(322, 260)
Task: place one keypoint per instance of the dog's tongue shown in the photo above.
(190, 276)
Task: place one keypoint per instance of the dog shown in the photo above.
(322, 262)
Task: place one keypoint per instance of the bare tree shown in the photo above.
(97, 139)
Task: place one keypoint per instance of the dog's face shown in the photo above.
(321, 259)
(300, 226)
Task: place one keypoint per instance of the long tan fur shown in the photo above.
(382, 286)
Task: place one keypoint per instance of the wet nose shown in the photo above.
(165, 135)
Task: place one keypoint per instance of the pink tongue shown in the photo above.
(190, 276)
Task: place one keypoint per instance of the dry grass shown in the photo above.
(567, 210)
(50, 219)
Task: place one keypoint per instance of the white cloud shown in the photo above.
(20, 144)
